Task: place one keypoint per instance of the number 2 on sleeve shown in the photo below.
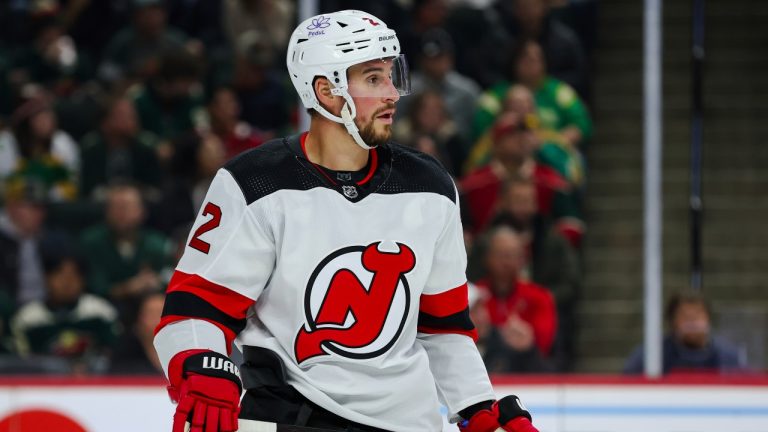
(215, 211)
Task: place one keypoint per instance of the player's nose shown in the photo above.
(392, 94)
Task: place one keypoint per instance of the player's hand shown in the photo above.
(506, 414)
(206, 385)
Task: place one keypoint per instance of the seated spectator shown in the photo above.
(513, 149)
(558, 107)
(437, 73)
(134, 353)
(552, 261)
(689, 345)
(22, 230)
(68, 322)
(237, 135)
(118, 151)
(552, 149)
(79, 113)
(133, 53)
(196, 159)
(124, 258)
(488, 31)
(503, 354)
(52, 59)
(522, 313)
(429, 128)
(171, 103)
(561, 48)
(36, 147)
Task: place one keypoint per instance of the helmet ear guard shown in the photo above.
(327, 45)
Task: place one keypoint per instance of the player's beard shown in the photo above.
(369, 134)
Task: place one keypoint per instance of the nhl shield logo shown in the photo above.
(349, 191)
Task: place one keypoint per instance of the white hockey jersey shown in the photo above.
(359, 287)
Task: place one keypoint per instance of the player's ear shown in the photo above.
(322, 89)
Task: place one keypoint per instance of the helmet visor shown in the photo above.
(380, 78)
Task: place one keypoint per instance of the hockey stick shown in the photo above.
(260, 426)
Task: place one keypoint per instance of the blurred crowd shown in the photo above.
(115, 115)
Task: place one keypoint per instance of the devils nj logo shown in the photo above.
(356, 303)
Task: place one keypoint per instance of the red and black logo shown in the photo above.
(356, 303)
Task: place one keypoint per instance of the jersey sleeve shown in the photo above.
(445, 329)
(443, 306)
(460, 375)
(227, 261)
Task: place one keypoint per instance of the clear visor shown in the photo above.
(380, 78)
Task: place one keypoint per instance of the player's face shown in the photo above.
(374, 94)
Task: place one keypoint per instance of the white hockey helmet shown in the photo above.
(327, 45)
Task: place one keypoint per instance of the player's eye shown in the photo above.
(374, 79)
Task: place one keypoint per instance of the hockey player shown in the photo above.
(336, 260)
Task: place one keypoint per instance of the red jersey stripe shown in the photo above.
(304, 150)
(222, 298)
(372, 169)
(446, 303)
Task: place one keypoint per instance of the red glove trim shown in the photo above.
(520, 424)
(206, 386)
(507, 409)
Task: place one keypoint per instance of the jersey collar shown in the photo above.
(378, 170)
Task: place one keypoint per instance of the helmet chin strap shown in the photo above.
(347, 117)
(349, 124)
